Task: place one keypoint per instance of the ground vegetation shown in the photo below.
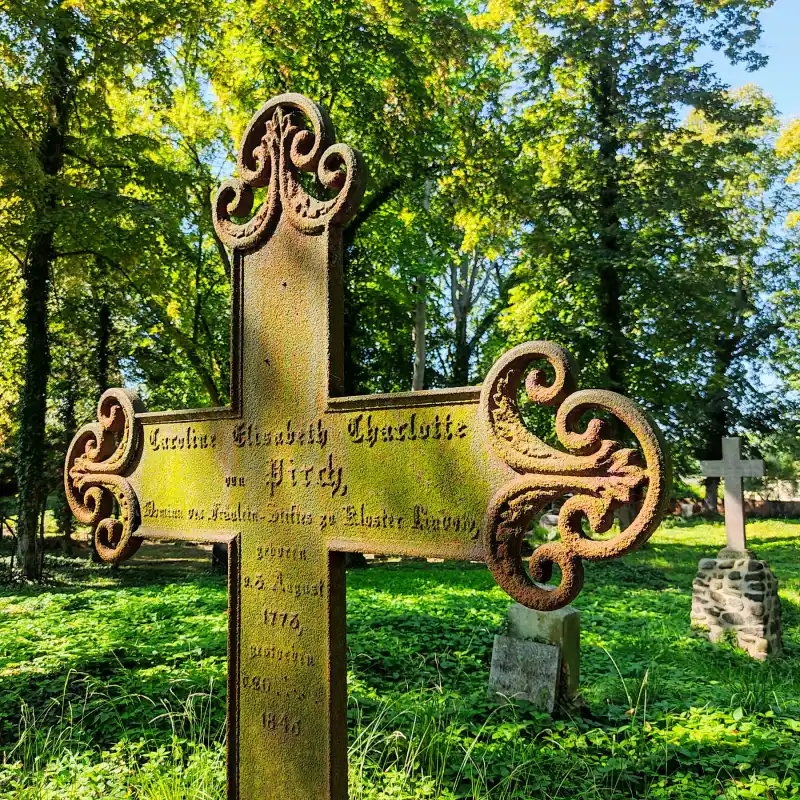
(112, 685)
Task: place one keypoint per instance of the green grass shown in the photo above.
(112, 686)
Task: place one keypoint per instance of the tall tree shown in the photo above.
(58, 47)
(731, 296)
(58, 61)
(787, 361)
(612, 188)
(396, 78)
(11, 353)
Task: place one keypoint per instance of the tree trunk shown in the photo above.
(611, 319)
(221, 251)
(462, 281)
(33, 402)
(420, 311)
(205, 376)
(461, 351)
(716, 426)
(65, 521)
(42, 515)
(418, 334)
(717, 407)
(604, 92)
(36, 291)
(104, 330)
(711, 500)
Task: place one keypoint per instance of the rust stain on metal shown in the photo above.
(292, 475)
(597, 472)
(98, 456)
(276, 146)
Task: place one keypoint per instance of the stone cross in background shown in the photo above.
(732, 469)
(292, 475)
(736, 592)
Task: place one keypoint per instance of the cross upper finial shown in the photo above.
(277, 146)
(732, 468)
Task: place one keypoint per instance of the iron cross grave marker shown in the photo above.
(732, 468)
(293, 475)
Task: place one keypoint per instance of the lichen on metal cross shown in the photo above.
(293, 475)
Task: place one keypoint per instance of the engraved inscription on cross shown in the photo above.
(293, 475)
(732, 469)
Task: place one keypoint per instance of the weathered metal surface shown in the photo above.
(292, 475)
(98, 456)
(276, 147)
(598, 473)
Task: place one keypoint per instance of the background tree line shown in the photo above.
(561, 169)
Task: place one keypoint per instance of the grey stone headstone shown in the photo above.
(549, 522)
(525, 670)
(561, 628)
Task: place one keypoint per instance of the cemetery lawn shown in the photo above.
(112, 685)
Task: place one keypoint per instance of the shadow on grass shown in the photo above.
(80, 577)
(141, 631)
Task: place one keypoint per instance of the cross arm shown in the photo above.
(419, 477)
(732, 466)
(480, 482)
(451, 474)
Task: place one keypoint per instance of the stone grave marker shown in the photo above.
(524, 669)
(555, 638)
(735, 591)
(732, 468)
(292, 475)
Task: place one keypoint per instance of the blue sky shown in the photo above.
(781, 42)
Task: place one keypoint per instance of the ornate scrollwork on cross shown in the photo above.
(276, 147)
(597, 473)
(97, 459)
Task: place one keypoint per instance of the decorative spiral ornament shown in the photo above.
(596, 472)
(288, 135)
(97, 458)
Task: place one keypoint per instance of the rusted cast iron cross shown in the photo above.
(293, 475)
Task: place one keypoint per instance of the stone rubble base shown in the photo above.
(740, 595)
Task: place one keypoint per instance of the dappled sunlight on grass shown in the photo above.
(681, 718)
(112, 686)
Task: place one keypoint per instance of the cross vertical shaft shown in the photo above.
(292, 629)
